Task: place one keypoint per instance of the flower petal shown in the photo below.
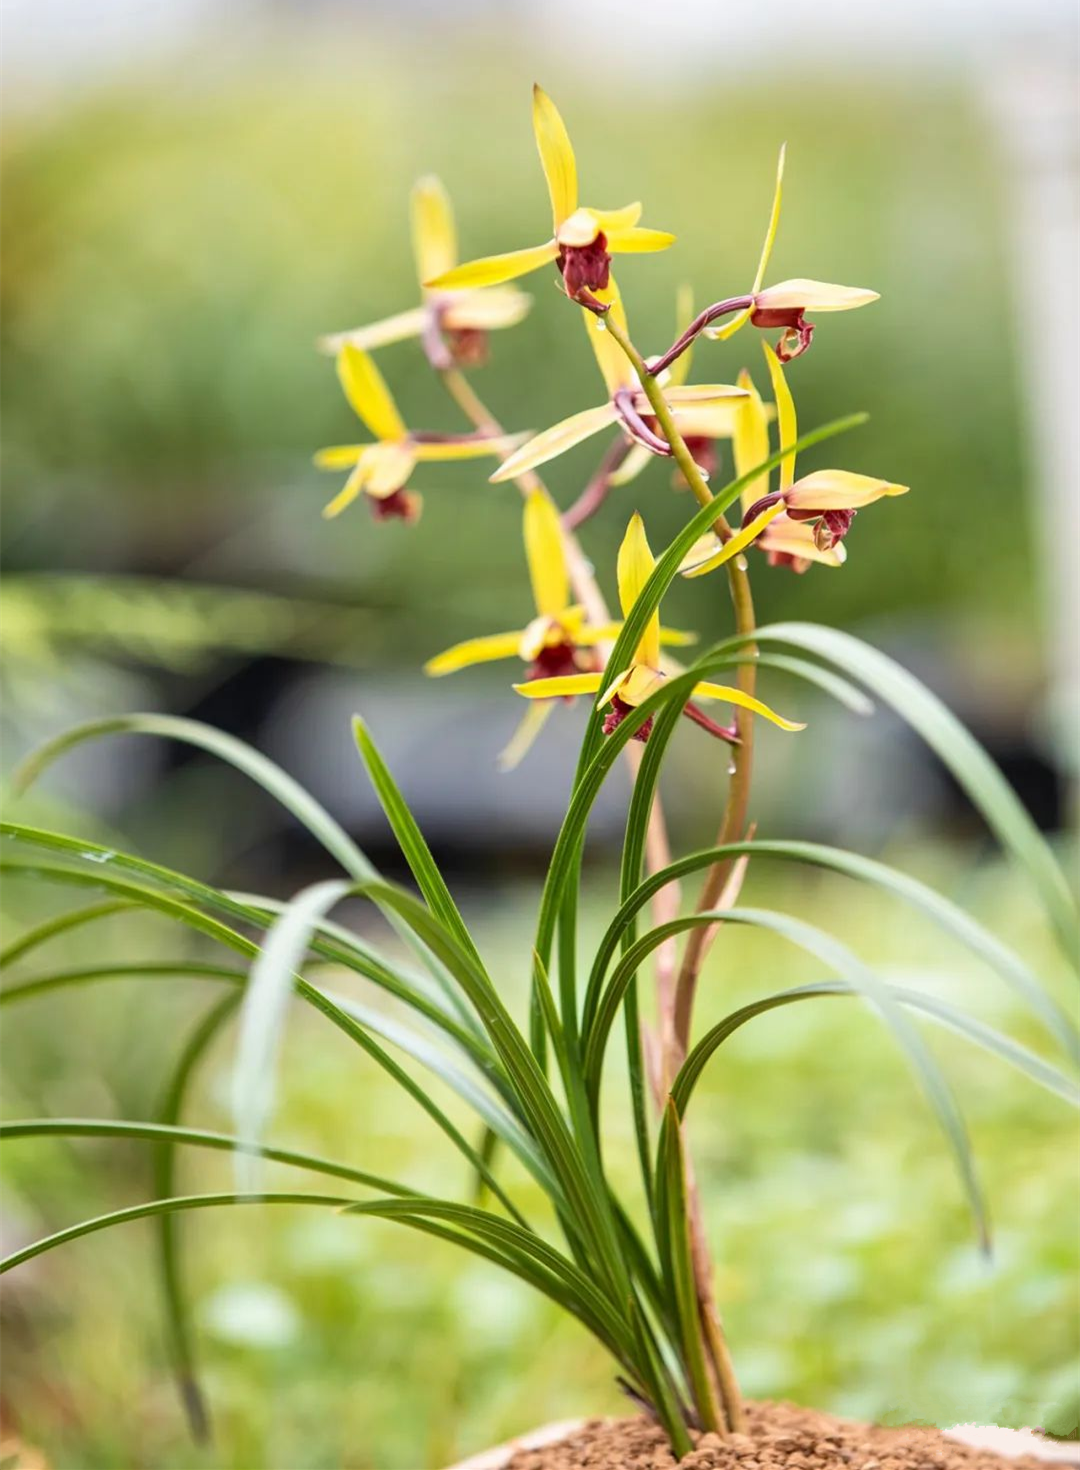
(521, 742)
(632, 465)
(589, 637)
(434, 239)
(739, 542)
(839, 490)
(744, 701)
(556, 156)
(390, 465)
(554, 441)
(473, 651)
(544, 553)
(634, 568)
(493, 270)
(703, 393)
(498, 306)
(397, 328)
(638, 241)
(751, 442)
(617, 219)
(812, 296)
(473, 447)
(565, 684)
(368, 394)
(613, 362)
(351, 489)
(785, 415)
(340, 456)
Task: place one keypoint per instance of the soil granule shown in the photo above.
(778, 1437)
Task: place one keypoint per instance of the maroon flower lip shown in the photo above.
(586, 268)
(399, 505)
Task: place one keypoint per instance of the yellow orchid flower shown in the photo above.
(381, 470)
(645, 674)
(784, 305)
(557, 641)
(584, 239)
(453, 325)
(626, 406)
(806, 520)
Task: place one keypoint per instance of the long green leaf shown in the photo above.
(262, 1020)
(323, 1002)
(411, 840)
(969, 763)
(976, 1031)
(180, 1334)
(947, 915)
(200, 1138)
(276, 782)
(61, 924)
(843, 962)
(671, 1167)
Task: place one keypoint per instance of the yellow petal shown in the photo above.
(812, 296)
(471, 448)
(544, 552)
(739, 542)
(785, 415)
(397, 328)
(744, 701)
(484, 311)
(368, 394)
(556, 156)
(565, 684)
(523, 738)
(708, 420)
(796, 538)
(612, 361)
(434, 239)
(351, 489)
(721, 334)
(340, 456)
(473, 651)
(554, 441)
(684, 315)
(618, 219)
(839, 490)
(632, 465)
(493, 270)
(390, 465)
(638, 241)
(751, 444)
(634, 569)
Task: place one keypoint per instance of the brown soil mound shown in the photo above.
(778, 1437)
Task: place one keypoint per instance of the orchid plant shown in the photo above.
(633, 1268)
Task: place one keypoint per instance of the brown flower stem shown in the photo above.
(677, 1028)
(596, 491)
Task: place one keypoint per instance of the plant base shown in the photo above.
(780, 1437)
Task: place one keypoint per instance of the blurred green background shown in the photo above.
(178, 228)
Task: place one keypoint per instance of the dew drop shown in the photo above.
(731, 769)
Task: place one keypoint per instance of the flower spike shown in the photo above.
(645, 674)
(583, 239)
(381, 469)
(452, 325)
